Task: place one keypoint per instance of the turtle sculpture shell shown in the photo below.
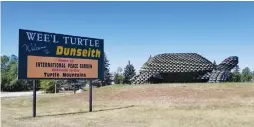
(183, 67)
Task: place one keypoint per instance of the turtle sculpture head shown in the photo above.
(228, 64)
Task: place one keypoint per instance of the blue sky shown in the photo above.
(134, 30)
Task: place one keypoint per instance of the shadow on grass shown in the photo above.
(75, 113)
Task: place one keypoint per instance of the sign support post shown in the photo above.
(90, 95)
(55, 88)
(34, 98)
(74, 91)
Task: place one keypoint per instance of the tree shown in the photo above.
(9, 82)
(246, 74)
(129, 72)
(118, 77)
(236, 75)
(14, 57)
(107, 75)
(4, 71)
(12, 69)
(4, 62)
(23, 85)
(9, 72)
(253, 75)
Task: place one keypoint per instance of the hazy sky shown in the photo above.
(134, 30)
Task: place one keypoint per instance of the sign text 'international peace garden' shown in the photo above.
(56, 56)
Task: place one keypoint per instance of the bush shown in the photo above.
(18, 85)
(49, 86)
(246, 78)
(119, 78)
(4, 83)
(97, 83)
(236, 77)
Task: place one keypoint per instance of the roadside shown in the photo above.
(30, 93)
(17, 94)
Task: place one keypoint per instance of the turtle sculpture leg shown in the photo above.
(222, 71)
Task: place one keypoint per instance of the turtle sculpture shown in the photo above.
(184, 67)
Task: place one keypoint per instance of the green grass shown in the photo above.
(160, 105)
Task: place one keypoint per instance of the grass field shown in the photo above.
(161, 105)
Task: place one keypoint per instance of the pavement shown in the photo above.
(17, 94)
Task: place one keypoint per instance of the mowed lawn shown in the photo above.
(161, 105)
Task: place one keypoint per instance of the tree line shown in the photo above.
(9, 82)
(245, 76)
